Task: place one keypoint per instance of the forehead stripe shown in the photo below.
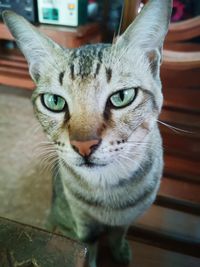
(61, 75)
(72, 71)
(97, 69)
(108, 74)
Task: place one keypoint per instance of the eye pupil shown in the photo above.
(121, 95)
(55, 99)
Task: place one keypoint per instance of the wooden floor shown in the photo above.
(150, 256)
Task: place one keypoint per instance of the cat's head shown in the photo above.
(99, 103)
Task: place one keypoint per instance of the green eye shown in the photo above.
(123, 98)
(53, 102)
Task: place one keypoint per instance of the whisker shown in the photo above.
(173, 128)
(48, 164)
(115, 36)
(44, 144)
(121, 20)
(113, 39)
(44, 154)
(139, 123)
(143, 144)
(47, 158)
(139, 142)
(39, 151)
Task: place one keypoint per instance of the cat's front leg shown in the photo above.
(92, 254)
(52, 224)
(119, 246)
(89, 232)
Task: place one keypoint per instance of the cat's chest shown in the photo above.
(115, 204)
(114, 196)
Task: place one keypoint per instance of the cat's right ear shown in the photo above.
(147, 33)
(36, 47)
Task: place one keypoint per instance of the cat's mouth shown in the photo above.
(89, 164)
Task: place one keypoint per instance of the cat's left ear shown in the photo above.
(38, 49)
(148, 31)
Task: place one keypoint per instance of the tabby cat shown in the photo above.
(99, 104)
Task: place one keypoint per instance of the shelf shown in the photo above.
(65, 36)
(14, 69)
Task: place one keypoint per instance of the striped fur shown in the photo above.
(106, 191)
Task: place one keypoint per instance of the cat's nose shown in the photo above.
(85, 148)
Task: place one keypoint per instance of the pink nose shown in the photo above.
(85, 148)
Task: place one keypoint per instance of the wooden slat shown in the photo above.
(169, 228)
(182, 144)
(7, 55)
(180, 79)
(184, 30)
(183, 190)
(170, 221)
(181, 60)
(145, 255)
(182, 98)
(11, 54)
(173, 242)
(181, 168)
(16, 81)
(13, 63)
(182, 46)
(178, 204)
(183, 120)
(13, 70)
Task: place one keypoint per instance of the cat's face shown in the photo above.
(98, 104)
(94, 95)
